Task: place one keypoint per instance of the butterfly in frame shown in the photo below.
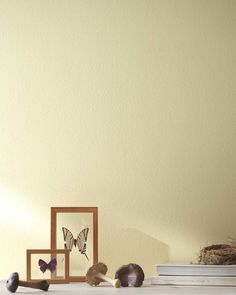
(80, 241)
(51, 266)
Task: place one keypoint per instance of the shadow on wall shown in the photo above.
(132, 246)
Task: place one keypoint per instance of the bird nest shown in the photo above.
(223, 254)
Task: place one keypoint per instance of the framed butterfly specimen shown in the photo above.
(80, 241)
(51, 265)
(76, 230)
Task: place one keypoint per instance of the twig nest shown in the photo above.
(220, 254)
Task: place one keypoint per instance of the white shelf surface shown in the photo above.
(104, 289)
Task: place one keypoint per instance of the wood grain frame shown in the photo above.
(53, 252)
(94, 211)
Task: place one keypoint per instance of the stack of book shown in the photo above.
(195, 274)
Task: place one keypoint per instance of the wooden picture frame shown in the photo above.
(76, 229)
(56, 277)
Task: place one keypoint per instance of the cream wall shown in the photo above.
(126, 105)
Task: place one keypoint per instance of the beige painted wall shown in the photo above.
(126, 105)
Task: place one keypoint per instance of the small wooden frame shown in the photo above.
(76, 229)
(59, 276)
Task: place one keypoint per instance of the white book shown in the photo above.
(194, 280)
(195, 270)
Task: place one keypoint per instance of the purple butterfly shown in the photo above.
(52, 265)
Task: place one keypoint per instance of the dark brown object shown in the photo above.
(13, 283)
(223, 254)
(96, 274)
(130, 275)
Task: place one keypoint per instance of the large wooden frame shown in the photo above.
(54, 277)
(76, 218)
